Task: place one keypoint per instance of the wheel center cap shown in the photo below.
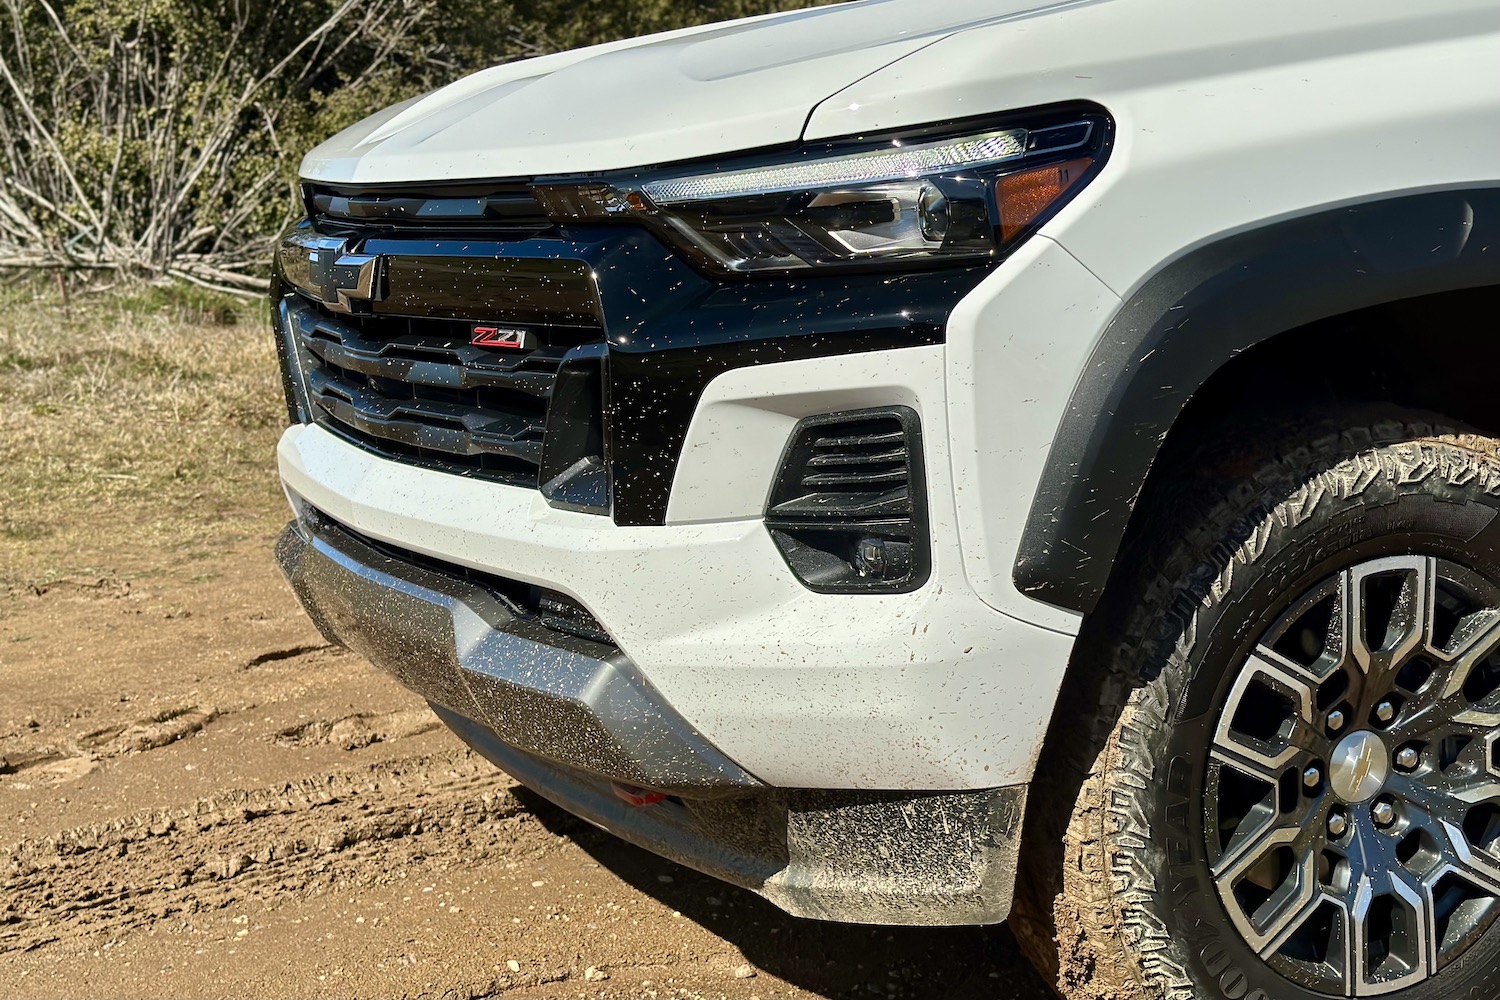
(1359, 768)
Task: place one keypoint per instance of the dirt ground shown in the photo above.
(199, 798)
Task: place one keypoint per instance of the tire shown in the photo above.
(1204, 665)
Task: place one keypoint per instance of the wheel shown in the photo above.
(1293, 788)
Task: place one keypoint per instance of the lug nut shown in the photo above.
(1335, 720)
(1338, 823)
(1385, 711)
(1383, 813)
(1407, 758)
(1312, 777)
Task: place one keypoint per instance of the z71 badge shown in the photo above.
(503, 336)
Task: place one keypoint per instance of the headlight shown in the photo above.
(916, 198)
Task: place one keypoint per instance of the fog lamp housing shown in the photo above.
(848, 510)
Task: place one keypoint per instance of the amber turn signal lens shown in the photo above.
(1025, 195)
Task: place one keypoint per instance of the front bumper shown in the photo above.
(572, 718)
(927, 690)
(880, 743)
(574, 701)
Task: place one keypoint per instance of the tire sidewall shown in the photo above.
(1433, 517)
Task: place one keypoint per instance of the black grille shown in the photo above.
(417, 390)
(489, 208)
(854, 465)
(848, 507)
(860, 466)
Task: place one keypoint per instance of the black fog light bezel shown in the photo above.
(820, 540)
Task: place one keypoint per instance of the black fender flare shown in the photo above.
(1202, 310)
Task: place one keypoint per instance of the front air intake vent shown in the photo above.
(536, 605)
(486, 208)
(848, 509)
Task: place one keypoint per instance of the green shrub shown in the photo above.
(162, 136)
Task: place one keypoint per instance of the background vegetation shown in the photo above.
(137, 430)
(162, 136)
(148, 147)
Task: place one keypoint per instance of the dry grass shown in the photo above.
(136, 431)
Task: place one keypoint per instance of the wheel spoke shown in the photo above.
(1287, 666)
(1297, 912)
(1478, 718)
(1479, 789)
(1354, 777)
(1250, 837)
(1268, 719)
(1391, 931)
(1476, 866)
(1475, 650)
(1479, 641)
(1280, 881)
(1390, 612)
(1434, 803)
(1470, 873)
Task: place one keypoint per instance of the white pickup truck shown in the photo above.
(949, 462)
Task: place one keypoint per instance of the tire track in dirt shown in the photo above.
(352, 828)
(360, 729)
(54, 763)
(151, 733)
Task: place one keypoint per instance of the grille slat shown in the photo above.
(855, 440)
(872, 479)
(897, 455)
(423, 361)
(485, 207)
(417, 391)
(863, 463)
(432, 425)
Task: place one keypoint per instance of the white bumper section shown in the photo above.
(929, 690)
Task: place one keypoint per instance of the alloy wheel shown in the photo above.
(1352, 807)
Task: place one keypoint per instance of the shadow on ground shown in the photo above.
(829, 959)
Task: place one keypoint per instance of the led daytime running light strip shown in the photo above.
(857, 168)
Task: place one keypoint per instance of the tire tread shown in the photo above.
(1103, 939)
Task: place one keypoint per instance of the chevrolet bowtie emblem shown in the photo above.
(356, 277)
(322, 266)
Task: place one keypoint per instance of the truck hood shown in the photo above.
(681, 95)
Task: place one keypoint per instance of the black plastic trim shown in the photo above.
(481, 281)
(554, 611)
(797, 527)
(458, 208)
(1198, 313)
(574, 471)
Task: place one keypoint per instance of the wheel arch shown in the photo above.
(1196, 337)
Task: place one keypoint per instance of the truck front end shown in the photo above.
(647, 477)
